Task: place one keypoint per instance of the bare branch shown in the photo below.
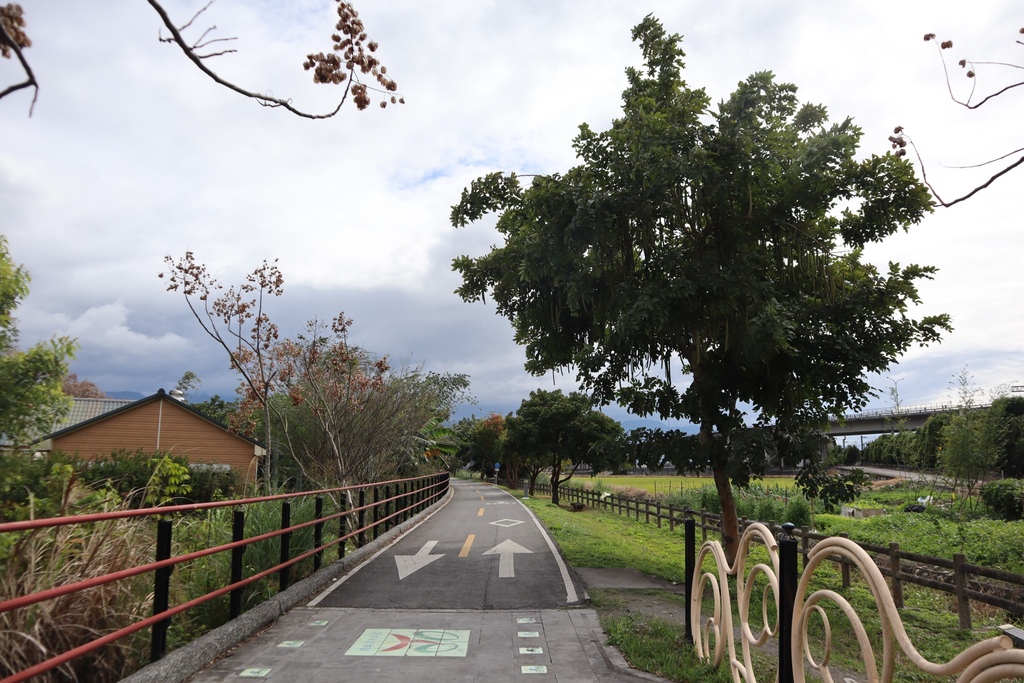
(971, 73)
(196, 16)
(265, 100)
(8, 44)
(900, 140)
(336, 67)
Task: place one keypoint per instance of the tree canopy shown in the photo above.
(346, 415)
(31, 400)
(81, 388)
(560, 433)
(724, 243)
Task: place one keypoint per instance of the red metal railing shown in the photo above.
(402, 499)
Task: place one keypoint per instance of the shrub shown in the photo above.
(210, 484)
(709, 500)
(28, 486)
(770, 509)
(798, 511)
(128, 472)
(25, 480)
(1005, 497)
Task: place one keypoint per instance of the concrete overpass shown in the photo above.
(887, 420)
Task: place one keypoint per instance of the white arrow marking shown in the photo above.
(407, 564)
(506, 551)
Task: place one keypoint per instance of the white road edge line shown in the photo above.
(316, 601)
(570, 589)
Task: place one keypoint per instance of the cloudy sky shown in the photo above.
(132, 154)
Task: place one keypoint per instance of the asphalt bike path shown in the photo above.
(483, 550)
(477, 592)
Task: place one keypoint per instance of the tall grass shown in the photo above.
(41, 559)
(212, 528)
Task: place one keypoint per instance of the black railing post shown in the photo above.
(406, 513)
(362, 517)
(318, 533)
(342, 524)
(787, 600)
(286, 541)
(388, 507)
(161, 590)
(376, 512)
(237, 534)
(690, 557)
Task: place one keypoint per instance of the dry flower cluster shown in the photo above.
(351, 51)
(12, 21)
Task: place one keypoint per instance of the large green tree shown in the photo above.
(481, 445)
(1007, 423)
(725, 243)
(31, 399)
(559, 433)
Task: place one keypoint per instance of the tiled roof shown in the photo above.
(83, 409)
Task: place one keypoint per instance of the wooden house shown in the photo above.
(156, 423)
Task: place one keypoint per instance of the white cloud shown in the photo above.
(107, 330)
(132, 154)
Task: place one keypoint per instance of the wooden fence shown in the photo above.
(956, 577)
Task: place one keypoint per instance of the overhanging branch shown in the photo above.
(7, 41)
(265, 100)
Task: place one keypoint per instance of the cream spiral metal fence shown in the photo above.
(788, 607)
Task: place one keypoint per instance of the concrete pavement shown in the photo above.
(320, 645)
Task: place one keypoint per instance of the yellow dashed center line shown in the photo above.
(467, 545)
(481, 513)
(481, 497)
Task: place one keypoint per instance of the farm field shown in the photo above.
(667, 484)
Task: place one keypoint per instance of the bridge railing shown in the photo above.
(923, 409)
(361, 513)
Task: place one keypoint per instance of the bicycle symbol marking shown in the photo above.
(409, 642)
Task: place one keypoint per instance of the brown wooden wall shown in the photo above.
(163, 425)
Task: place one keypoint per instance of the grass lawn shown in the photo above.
(665, 484)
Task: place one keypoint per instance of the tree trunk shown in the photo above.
(556, 473)
(730, 522)
(512, 472)
(271, 470)
(534, 473)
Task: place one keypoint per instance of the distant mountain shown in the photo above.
(125, 394)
